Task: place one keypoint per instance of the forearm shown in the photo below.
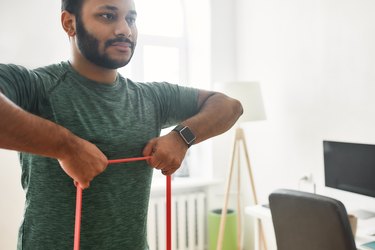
(22, 131)
(25, 132)
(217, 114)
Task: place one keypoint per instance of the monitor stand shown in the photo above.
(363, 214)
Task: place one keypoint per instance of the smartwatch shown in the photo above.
(186, 134)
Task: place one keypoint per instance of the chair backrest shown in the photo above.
(306, 221)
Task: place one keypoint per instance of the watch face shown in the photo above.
(188, 136)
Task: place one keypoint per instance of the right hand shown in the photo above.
(83, 161)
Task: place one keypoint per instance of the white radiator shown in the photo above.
(188, 222)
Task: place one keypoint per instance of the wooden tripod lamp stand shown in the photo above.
(249, 94)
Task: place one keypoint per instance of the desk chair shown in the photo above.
(306, 221)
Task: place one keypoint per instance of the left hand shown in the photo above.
(167, 152)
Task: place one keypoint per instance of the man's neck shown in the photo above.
(94, 72)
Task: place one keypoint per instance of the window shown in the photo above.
(161, 49)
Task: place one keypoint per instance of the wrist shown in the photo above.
(185, 133)
(68, 145)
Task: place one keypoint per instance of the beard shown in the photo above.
(89, 47)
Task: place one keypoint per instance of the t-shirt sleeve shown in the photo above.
(176, 103)
(19, 85)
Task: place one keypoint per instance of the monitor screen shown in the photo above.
(350, 167)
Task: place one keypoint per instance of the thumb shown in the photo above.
(149, 148)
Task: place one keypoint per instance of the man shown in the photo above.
(68, 119)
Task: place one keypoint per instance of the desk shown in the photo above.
(260, 213)
(365, 229)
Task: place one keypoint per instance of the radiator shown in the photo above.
(188, 222)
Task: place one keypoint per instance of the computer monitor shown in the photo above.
(350, 167)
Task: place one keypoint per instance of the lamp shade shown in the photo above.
(249, 94)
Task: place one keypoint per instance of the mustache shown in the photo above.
(119, 40)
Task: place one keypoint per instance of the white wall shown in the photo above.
(31, 33)
(315, 60)
(223, 68)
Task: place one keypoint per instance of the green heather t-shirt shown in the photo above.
(119, 118)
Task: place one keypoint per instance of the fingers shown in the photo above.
(163, 162)
(168, 171)
(83, 185)
(167, 153)
(149, 148)
(85, 176)
(168, 165)
(85, 164)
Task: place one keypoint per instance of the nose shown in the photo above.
(123, 29)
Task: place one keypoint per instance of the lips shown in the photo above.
(122, 46)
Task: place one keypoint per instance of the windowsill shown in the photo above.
(182, 184)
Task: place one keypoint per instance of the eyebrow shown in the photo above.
(133, 12)
(114, 8)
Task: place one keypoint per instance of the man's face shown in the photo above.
(106, 32)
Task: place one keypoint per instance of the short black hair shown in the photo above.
(72, 6)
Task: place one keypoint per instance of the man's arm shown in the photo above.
(25, 132)
(217, 113)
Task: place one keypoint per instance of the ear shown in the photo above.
(68, 23)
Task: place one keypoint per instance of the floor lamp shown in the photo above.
(249, 94)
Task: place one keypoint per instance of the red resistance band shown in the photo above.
(77, 227)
